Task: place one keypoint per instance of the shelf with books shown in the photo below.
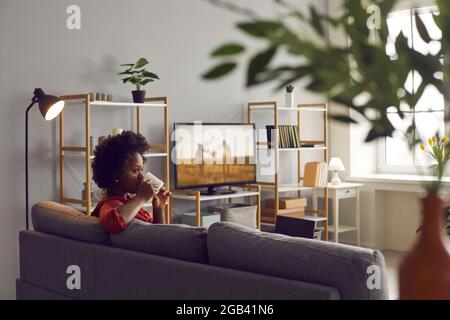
(288, 138)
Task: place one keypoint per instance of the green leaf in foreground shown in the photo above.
(219, 70)
(228, 50)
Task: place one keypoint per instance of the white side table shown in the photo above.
(336, 193)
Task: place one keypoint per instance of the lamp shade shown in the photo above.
(50, 106)
(336, 165)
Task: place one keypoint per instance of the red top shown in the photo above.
(111, 220)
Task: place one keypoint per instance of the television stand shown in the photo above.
(213, 191)
(244, 191)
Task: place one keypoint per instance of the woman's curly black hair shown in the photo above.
(113, 154)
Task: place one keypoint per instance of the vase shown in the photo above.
(289, 100)
(138, 96)
(424, 272)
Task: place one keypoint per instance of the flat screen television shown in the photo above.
(210, 155)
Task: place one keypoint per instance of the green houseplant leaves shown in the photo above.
(360, 76)
(137, 74)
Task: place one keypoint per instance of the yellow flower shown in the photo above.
(422, 147)
(434, 138)
(430, 141)
(444, 139)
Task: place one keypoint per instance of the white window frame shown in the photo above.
(382, 167)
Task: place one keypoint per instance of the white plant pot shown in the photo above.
(290, 100)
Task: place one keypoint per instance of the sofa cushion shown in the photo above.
(58, 219)
(174, 241)
(343, 267)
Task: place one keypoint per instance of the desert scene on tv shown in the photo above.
(214, 154)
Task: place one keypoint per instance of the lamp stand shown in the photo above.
(33, 101)
(336, 180)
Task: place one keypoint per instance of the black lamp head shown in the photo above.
(50, 106)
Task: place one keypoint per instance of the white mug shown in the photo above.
(116, 131)
(156, 183)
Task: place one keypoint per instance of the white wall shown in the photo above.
(390, 212)
(37, 50)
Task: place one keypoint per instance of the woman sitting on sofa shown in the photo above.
(118, 169)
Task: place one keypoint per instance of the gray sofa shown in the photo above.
(147, 261)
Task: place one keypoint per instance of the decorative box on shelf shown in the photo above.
(298, 228)
(294, 212)
(239, 213)
(289, 207)
(286, 203)
(206, 218)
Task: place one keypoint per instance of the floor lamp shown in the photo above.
(50, 107)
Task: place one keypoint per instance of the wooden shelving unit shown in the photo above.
(275, 186)
(156, 150)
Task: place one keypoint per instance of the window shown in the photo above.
(394, 154)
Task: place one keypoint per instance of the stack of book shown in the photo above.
(291, 207)
(288, 136)
(316, 174)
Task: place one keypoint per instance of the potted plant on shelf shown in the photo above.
(362, 70)
(289, 96)
(138, 76)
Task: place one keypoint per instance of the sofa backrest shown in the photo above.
(58, 219)
(343, 267)
(174, 241)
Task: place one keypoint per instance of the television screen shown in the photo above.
(208, 154)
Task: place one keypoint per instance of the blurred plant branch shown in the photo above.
(360, 76)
